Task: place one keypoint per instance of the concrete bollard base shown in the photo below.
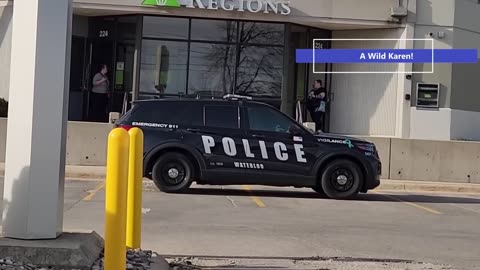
(71, 250)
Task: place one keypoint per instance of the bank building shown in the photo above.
(209, 48)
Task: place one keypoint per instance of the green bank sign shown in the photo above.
(166, 3)
(266, 6)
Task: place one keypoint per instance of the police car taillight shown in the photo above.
(126, 127)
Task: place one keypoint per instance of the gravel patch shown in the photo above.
(136, 260)
(183, 264)
(9, 263)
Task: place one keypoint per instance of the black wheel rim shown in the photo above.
(342, 179)
(173, 172)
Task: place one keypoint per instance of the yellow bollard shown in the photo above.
(135, 178)
(116, 199)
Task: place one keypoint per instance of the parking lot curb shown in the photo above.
(76, 172)
(402, 185)
(81, 172)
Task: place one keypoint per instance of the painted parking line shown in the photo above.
(418, 206)
(465, 208)
(230, 199)
(254, 198)
(92, 193)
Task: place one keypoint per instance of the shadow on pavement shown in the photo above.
(256, 192)
(375, 197)
(317, 258)
(418, 198)
(191, 262)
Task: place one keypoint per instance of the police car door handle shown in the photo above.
(196, 130)
(258, 136)
(193, 130)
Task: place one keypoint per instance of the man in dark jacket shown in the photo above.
(316, 104)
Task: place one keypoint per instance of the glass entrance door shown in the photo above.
(301, 37)
(123, 76)
(78, 79)
(321, 69)
(103, 52)
(112, 42)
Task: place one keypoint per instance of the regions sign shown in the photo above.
(266, 6)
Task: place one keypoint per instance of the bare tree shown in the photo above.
(259, 68)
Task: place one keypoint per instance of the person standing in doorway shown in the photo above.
(316, 104)
(100, 94)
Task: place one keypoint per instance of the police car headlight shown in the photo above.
(368, 147)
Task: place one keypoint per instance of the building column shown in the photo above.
(404, 86)
(287, 94)
(36, 133)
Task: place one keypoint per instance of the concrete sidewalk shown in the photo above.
(98, 173)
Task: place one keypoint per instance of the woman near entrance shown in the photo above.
(316, 104)
(100, 94)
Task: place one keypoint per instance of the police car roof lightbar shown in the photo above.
(236, 97)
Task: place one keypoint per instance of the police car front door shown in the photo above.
(286, 152)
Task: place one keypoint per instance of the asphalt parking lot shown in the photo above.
(263, 223)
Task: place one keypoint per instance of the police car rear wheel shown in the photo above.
(341, 179)
(172, 172)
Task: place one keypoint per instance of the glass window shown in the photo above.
(165, 27)
(262, 33)
(266, 119)
(212, 69)
(78, 61)
(260, 71)
(169, 113)
(221, 116)
(164, 67)
(214, 30)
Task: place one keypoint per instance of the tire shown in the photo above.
(341, 180)
(173, 173)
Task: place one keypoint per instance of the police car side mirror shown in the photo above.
(295, 131)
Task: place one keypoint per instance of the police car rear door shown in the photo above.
(285, 150)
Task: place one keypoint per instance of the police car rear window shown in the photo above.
(182, 114)
(221, 116)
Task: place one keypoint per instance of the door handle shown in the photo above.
(196, 130)
(258, 136)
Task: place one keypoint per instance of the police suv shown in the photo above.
(235, 141)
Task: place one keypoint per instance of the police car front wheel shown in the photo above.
(172, 172)
(341, 179)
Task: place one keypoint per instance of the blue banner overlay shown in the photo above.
(388, 56)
